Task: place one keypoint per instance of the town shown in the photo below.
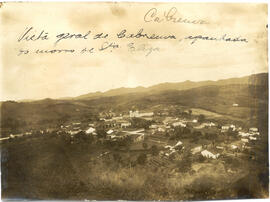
(160, 137)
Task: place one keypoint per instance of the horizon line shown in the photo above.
(139, 86)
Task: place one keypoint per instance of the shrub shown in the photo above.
(142, 159)
(154, 150)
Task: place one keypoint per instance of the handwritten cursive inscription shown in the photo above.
(147, 49)
(53, 51)
(209, 38)
(108, 45)
(141, 34)
(152, 15)
(28, 35)
(70, 36)
(110, 42)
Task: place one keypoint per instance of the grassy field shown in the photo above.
(50, 168)
(197, 111)
(236, 112)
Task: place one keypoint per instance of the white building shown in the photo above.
(161, 129)
(179, 143)
(90, 130)
(153, 126)
(252, 138)
(134, 114)
(211, 124)
(111, 136)
(109, 131)
(168, 147)
(125, 124)
(244, 140)
(227, 128)
(137, 114)
(208, 154)
(117, 118)
(196, 150)
(244, 134)
(146, 114)
(253, 130)
(74, 132)
(234, 147)
(175, 124)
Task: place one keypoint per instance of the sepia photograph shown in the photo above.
(134, 101)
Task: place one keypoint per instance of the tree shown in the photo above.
(186, 163)
(184, 114)
(154, 150)
(201, 118)
(190, 111)
(101, 133)
(186, 130)
(145, 145)
(81, 136)
(140, 123)
(232, 133)
(116, 157)
(142, 159)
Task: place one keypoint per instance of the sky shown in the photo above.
(38, 76)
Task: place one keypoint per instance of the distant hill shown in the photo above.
(256, 79)
(214, 98)
(113, 92)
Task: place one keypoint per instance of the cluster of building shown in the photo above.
(242, 136)
(119, 126)
(170, 150)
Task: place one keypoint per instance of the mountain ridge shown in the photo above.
(254, 79)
